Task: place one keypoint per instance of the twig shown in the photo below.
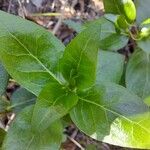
(75, 142)
(74, 134)
(74, 3)
(9, 122)
(106, 146)
(59, 22)
(9, 6)
(22, 9)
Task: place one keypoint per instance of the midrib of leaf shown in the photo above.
(114, 112)
(21, 103)
(30, 142)
(113, 32)
(117, 6)
(49, 110)
(81, 54)
(24, 47)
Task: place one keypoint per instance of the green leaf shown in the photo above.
(109, 38)
(29, 53)
(121, 7)
(118, 20)
(144, 43)
(74, 25)
(78, 64)
(3, 79)
(54, 102)
(111, 6)
(109, 67)
(21, 134)
(2, 135)
(146, 22)
(20, 99)
(79, 61)
(100, 105)
(133, 133)
(147, 101)
(143, 11)
(122, 23)
(138, 73)
(4, 104)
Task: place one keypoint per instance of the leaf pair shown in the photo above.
(77, 83)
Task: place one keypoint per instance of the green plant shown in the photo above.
(106, 98)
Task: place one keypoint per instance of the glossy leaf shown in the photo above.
(143, 11)
(29, 53)
(21, 134)
(78, 64)
(20, 99)
(133, 132)
(138, 73)
(2, 135)
(54, 102)
(121, 7)
(109, 67)
(99, 106)
(3, 79)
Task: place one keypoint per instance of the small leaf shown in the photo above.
(109, 67)
(3, 79)
(20, 99)
(147, 101)
(145, 22)
(121, 7)
(100, 105)
(138, 73)
(122, 23)
(21, 134)
(79, 61)
(54, 102)
(28, 52)
(109, 39)
(127, 9)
